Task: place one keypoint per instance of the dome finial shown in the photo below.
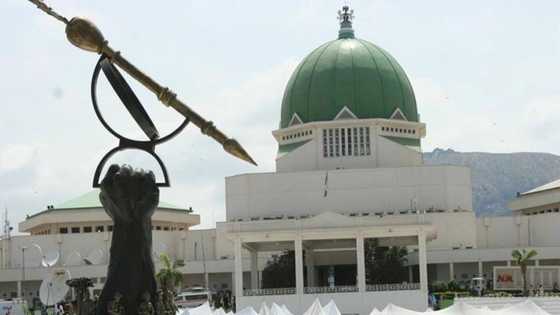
(345, 16)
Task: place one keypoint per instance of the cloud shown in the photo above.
(13, 157)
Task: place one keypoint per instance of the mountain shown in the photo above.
(497, 177)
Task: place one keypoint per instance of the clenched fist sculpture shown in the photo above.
(130, 198)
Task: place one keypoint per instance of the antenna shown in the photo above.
(53, 288)
(6, 228)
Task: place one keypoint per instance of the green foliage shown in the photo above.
(168, 277)
(384, 264)
(280, 271)
(522, 258)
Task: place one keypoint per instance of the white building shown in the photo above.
(349, 170)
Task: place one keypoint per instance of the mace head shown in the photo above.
(234, 148)
(85, 35)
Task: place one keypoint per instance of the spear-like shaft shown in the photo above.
(84, 34)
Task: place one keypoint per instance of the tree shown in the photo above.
(168, 278)
(384, 264)
(522, 258)
(280, 271)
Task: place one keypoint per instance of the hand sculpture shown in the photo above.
(129, 198)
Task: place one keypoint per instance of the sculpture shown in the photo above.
(129, 198)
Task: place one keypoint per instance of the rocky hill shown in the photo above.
(497, 177)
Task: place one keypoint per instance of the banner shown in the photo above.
(510, 278)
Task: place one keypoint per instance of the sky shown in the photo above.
(485, 75)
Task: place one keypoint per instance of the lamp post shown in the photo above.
(20, 289)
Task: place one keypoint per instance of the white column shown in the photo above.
(480, 269)
(361, 263)
(537, 263)
(310, 266)
(299, 264)
(410, 274)
(508, 263)
(19, 290)
(254, 270)
(422, 261)
(451, 271)
(238, 268)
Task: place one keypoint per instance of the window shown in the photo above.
(99, 228)
(355, 136)
(336, 142)
(331, 147)
(325, 153)
(87, 229)
(346, 142)
(63, 230)
(343, 141)
(166, 228)
(367, 144)
(362, 147)
(110, 228)
(158, 228)
(349, 133)
(75, 229)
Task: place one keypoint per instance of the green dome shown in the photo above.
(347, 72)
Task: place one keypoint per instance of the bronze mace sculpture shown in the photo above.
(83, 34)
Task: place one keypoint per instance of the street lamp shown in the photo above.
(23, 248)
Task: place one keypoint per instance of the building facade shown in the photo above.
(349, 173)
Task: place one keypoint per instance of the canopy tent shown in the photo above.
(331, 309)
(526, 307)
(460, 308)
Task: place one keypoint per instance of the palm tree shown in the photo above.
(522, 257)
(168, 276)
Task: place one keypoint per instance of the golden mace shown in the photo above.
(83, 34)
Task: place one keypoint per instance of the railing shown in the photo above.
(337, 289)
(275, 291)
(393, 287)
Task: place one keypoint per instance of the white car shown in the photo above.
(192, 297)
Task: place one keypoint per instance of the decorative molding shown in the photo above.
(296, 120)
(345, 113)
(398, 115)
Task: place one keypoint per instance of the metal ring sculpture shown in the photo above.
(137, 111)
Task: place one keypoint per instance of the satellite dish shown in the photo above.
(53, 288)
(50, 259)
(74, 259)
(95, 257)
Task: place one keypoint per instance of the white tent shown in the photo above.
(527, 307)
(461, 308)
(286, 310)
(219, 311)
(331, 308)
(315, 309)
(247, 311)
(264, 310)
(203, 309)
(275, 309)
